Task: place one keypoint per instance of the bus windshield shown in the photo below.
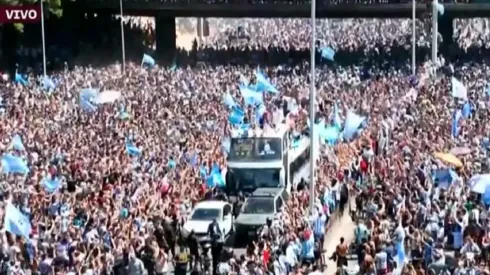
(255, 149)
(258, 205)
(250, 179)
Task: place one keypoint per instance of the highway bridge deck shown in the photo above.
(165, 11)
(280, 8)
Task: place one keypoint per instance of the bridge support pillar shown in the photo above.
(446, 29)
(165, 35)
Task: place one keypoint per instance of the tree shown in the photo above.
(51, 7)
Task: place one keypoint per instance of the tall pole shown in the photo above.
(414, 37)
(43, 38)
(434, 31)
(122, 37)
(312, 107)
(201, 30)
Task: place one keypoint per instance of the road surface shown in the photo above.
(342, 227)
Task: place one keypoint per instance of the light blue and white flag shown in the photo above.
(236, 118)
(19, 79)
(17, 143)
(48, 84)
(330, 134)
(440, 8)
(263, 84)
(89, 94)
(444, 178)
(243, 80)
(87, 97)
(228, 100)
(132, 150)
(14, 164)
(259, 113)
(147, 60)
(458, 89)
(251, 97)
(87, 106)
(328, 53)
(16, 223)
(466, 112)
(337, 122)
(352, 124)
(455, 123)
(486, 196)
(51, 185)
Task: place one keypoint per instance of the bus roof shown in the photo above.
(268, 132)
(276, 164)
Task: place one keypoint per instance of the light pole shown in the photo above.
(312, 107)
(43, 38)
(414, 37)
(122, 37)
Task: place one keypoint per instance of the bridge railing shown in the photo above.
(294, 2)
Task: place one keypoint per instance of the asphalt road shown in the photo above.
(342, 227)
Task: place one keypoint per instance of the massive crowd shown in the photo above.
(416, 167)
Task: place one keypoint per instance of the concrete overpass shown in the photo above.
(165, 11)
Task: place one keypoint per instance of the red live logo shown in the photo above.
(20, 14)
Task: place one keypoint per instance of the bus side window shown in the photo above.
(231, 183)
(297, 164)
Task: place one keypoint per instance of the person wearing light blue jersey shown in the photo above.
(360, 232)
(308, 248)
(318, 226)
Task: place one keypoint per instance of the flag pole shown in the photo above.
(414, 44)
(312, 107)
(43, 38)
(122, 38)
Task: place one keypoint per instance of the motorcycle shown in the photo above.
(205, 259)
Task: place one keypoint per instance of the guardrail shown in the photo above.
(290, 2)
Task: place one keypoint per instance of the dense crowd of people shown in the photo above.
(101, 189)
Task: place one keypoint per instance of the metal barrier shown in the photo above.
(292, 2)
